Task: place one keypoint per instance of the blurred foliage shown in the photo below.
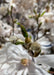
(36, 17)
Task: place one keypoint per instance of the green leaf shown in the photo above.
(15, 20)
(18, 23)
(42, 14)
(8, 11)
(24, 32)
(19, 41)
(30, 37)
(11, 7)
(36, 19)
(40, 24)
(30, 16)
(38, 15)
(34, 11)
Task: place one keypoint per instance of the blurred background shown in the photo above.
(21, 11)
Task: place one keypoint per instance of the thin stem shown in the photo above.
(37, 29)
(12, 20)
(32, 59)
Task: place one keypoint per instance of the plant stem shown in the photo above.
(37, 29)
(12, 20)
(33, 59)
